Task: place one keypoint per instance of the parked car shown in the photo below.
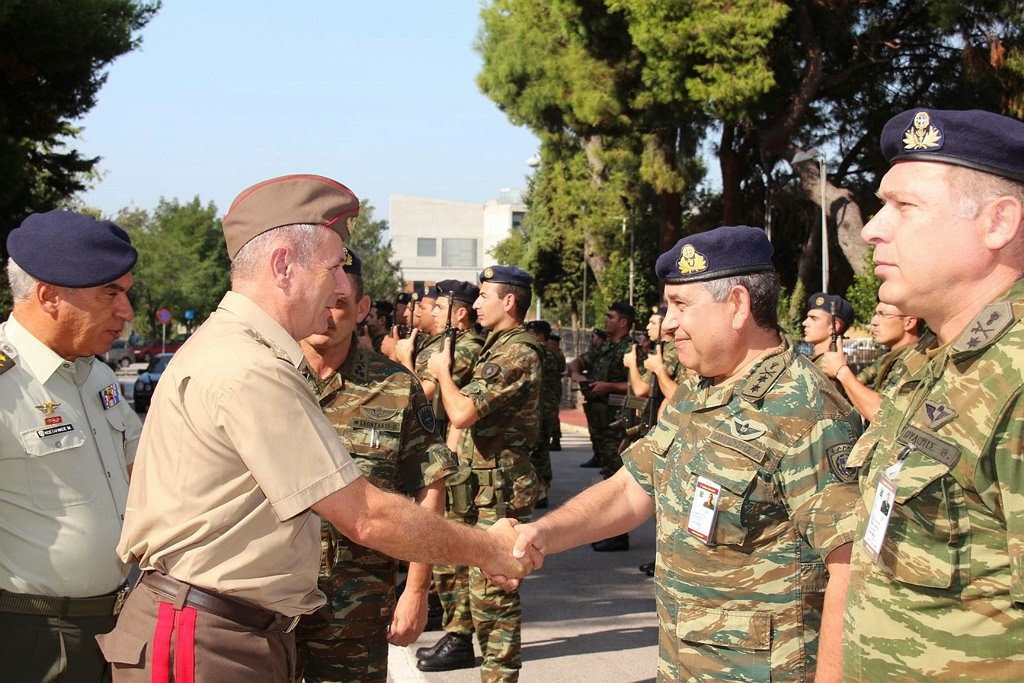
(145, 385)
(120, 355)
(149, 350)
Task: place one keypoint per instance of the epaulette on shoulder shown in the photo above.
(764, 378)
(278, 351)
(6, 361)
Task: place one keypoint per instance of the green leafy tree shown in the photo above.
(382, 275)
(53, 56)
(182, 265)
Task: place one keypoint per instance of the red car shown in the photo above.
(148, 351)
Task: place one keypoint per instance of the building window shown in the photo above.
(426, 246)
(517, 221)
(458, 252)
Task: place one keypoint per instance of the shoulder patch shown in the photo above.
(6, 363)
(837, 458)
(937, 414)
(490, 370)
(990, 322)
(764, 377)
(426, 417)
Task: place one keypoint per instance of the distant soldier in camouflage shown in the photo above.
(555, 344)
(385, 422)
(894, 329)
(828, 318)
(452, 581)
(550, 394)
(497, 413)
(660, 369)
(937, 577)
(745, 475)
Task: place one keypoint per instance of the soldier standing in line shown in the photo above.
(555, 344)
(385, 422)
(551, 392)
(598, 343)
(828, 318)
(378, 322)
(67, 442)
(745, 475)
(606, 376)
(937, 576)
(497, 413)
(892, 328)
(662, 365)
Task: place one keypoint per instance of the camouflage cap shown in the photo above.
(289, 200)
(975, 139)
(723, 252)
(825, 301)
(460, 290)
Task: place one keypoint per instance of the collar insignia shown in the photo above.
(937, 414)
(922, 134)
(48, 407)
(691, 261)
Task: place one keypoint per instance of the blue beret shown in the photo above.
(403, 298)
(460, 290)
(71, 249)
(542, 326)
(600, 333)
(722, 252)
(353, 264)
(509, 275)
(824, 301)
(976, 139)
(624, 309)
(428, 292)
(383, 307)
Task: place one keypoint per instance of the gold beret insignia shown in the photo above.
(922, 134)
(820, 301)
(350, 223)
(692, 261)
(488, 273)
(348, 258)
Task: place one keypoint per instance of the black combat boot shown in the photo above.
(433, 649)
(455, 652)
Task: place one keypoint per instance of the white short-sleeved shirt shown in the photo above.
(66, 437)
(234, 452)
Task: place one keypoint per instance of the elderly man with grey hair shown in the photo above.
(67, 441)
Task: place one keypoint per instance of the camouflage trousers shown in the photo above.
(605, 439)
(498, 620)
(332, 653)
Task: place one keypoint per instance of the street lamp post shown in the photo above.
(815, 155)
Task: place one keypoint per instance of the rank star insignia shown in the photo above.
(922, 134)
(48, 407)
(937, 414)
(691, 261)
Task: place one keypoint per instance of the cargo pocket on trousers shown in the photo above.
(724, 645)
(122, 649)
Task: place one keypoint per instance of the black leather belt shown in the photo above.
(233, 609)
(50, 606)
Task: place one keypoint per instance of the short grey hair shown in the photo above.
(970, 190)
(763, 289)
(304, 239)
(22, 284)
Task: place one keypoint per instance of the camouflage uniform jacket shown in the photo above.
(382, 417)
(885, 372)
(467, 349)
(551, 391)
(604, 364)
(670, 358)
(505, 389)
(945, 598)
(747, 604)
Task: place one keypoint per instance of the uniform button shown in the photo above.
(108, 473)
(94, 432)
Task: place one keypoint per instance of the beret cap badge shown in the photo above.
(921, 134)
(691, 261)
(820, 301)
(488, 273)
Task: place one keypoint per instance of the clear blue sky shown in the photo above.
(378, 95)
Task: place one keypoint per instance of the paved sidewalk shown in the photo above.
(587, 616)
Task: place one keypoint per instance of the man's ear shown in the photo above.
(362, 308)
(281, 266)
(48, 296)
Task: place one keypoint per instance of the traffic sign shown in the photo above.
(163, 316)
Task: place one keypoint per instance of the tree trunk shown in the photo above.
(729, 165)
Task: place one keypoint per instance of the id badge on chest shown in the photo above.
(881, 510)
(703, 509)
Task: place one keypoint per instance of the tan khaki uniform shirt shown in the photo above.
(234, 452)
(63, 477)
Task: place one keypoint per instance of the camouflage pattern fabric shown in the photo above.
(746, 605)
(505, 389)
(945, 598)
(670, 358)
(885, 372)
(382, 417)
(451, 581)
(551, 388)
(605, 365)
(833, 380)
(467, 349)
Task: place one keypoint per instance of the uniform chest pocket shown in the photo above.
(925, 528)
(724, 645)
(57, 467)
